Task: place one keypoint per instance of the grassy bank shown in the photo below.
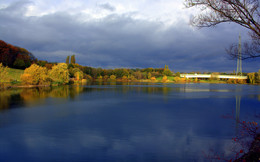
(13, 75)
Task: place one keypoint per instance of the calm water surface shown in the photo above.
(115, 122)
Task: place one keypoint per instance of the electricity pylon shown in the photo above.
(239, 58)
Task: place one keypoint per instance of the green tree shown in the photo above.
(177, 74)
(68, 60)
(19, 63)
(76, 73)
(60, 73)
(72, 59)
(167, 71)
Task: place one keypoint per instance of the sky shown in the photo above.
(120, 34)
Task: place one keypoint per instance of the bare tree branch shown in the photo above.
(243, 12)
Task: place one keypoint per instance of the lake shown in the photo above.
(124, 121)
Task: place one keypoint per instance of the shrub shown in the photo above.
(153, 79)
(124, 78)
(177, 74)
(164, 79)
(251, 77)
(177, 79)
(106, 77)
(112, 77)
(149, 75)
(100, 78)
(88, 77)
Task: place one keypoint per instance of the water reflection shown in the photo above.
(13, 98)
(238, 100)
(33, 96)
(121, 122)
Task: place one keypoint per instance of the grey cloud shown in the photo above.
(16, 8)
(122, 41)
(107, 6)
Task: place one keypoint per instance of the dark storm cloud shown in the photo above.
(118, 40)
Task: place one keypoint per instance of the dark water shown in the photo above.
(113, 122)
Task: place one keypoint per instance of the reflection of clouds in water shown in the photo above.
(163, 144)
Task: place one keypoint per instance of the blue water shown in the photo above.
(131, 122)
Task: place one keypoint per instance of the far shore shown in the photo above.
(8, 85)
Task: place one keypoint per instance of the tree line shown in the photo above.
(42, 72)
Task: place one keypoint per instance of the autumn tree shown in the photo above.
(60, 73)
(35, 75)
(242, 12)
(13, 56)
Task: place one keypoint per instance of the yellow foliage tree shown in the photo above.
(60, 73)
(35, 75)
(3, 72)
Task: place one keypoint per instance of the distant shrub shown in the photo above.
(177, 79)
(88, 77)
(100, 77)
(164, 79)
(251, 77)
(124, 78)
(112, 77)
(153, 79)
(106, 77)
(177, 74)
(149, 75)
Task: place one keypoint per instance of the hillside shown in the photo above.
(15, 57)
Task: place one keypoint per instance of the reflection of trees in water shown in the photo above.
(6, 96)
(32, 96)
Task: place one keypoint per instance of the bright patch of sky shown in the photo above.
(165, 11)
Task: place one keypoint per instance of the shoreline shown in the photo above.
(3, 87)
